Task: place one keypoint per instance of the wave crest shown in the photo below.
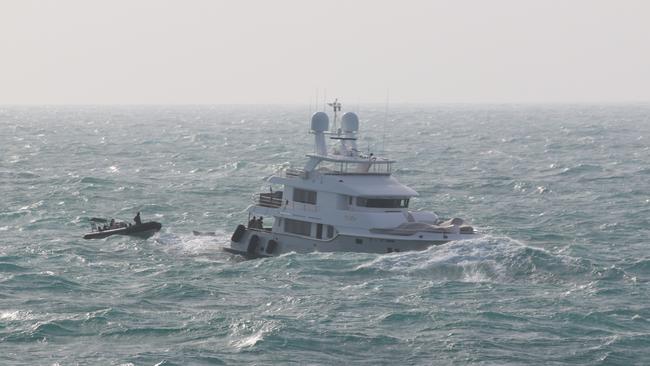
(487, 259)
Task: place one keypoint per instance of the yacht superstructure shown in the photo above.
(342, 200)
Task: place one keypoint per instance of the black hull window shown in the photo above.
(297, 227)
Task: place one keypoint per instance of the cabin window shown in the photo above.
(330, 231)
(304, 196)
(297, 227)
(319, 231)
(383, 202)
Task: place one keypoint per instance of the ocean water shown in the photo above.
(561, 277)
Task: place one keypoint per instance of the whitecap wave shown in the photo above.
(486, 259)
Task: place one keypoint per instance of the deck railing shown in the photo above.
(295, 172)
(301, 206)
(269, 200)
(274, 200)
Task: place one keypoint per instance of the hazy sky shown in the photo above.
(282, 51)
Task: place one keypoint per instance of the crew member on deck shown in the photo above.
(137, 219)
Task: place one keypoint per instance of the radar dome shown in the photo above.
(350, 122)
(320, 122)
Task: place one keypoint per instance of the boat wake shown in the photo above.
(193, 244)
(486, 259)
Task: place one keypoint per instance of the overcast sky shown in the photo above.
(283, 51)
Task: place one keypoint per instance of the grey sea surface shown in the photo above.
(561, 277)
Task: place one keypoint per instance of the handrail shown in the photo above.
(272, 200)
(301, 206)
(269, 200)
(295, 172)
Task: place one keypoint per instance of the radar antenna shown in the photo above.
(337, 108)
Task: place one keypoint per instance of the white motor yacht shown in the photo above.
(342, 200)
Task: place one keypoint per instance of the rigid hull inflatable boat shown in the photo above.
(142, 230)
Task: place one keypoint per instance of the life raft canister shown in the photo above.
(253, 243)
(239, 232)
(271, 246)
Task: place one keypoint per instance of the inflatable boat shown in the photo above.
(143, 230)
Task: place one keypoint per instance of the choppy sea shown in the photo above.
(561, 277)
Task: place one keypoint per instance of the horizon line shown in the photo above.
(302, 104)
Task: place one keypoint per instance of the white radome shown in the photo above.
(350, 122)
(320, 122)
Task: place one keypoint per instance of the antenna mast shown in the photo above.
(337, 108)
(383, 137)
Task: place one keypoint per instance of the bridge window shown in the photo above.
(304, 196)
(383, 202)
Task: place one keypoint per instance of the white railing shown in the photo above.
(295, 173)
(268, 200)
(370, 167)
(301, 206)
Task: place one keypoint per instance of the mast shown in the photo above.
(337, 108)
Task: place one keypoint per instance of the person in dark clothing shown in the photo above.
(251, 222)
(261, 222)
(137, 219)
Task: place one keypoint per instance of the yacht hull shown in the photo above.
(256, 243)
